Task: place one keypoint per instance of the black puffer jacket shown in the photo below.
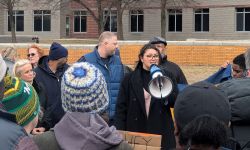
(174, 69)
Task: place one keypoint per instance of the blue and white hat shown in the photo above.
(84, 89)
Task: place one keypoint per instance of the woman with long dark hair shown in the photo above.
(137, 110)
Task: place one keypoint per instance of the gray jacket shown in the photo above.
(81, 131)
(238, 92)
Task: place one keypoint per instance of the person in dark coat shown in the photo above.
(237, 91)
(49, 72)
(137, 110)
(172, 67)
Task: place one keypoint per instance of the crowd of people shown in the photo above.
(48, 104)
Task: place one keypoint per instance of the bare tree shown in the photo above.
(172, 4)
(99, 18)
(9, 5)
(122, 5)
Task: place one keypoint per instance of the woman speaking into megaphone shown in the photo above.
(137, 109)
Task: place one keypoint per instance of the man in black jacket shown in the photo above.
(49, 72)
(172, 67)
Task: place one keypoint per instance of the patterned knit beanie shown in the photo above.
(21, 99)
(84, 89)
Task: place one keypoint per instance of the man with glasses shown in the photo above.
(49, 72)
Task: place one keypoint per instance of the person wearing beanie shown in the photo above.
(199, 99)
(23, 70)
(172, 67)
(49, 73)
(84, 99)
(104, 58)
(18, 112)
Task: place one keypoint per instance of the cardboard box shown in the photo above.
(142, 141)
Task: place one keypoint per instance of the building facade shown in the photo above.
(207, 20)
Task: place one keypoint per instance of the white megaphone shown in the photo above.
(160, 86)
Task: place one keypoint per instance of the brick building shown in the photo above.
(213, 19)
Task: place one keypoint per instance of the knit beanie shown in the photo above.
(84, 89)
(21, 99)
(57, 51)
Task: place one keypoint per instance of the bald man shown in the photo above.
(104, 58)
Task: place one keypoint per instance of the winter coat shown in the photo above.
(131, 111)
(52, 83)
(43, 98)
(81, 131)
(238, 92)
(175, 70)
(13, 136)
(113, 74)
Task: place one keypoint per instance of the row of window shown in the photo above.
(42, 20)
(110, 17)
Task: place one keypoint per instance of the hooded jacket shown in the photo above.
(52, 84)
(81, 131)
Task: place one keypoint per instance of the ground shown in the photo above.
(198, 73)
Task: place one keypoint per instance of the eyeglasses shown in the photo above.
(152, 56)
(31, 54)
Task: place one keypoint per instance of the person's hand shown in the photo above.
(225, 64)
(37, 131)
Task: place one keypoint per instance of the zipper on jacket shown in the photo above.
(108, 70)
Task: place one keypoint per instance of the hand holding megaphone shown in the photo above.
(160, 86)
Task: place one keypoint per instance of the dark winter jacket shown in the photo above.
(13, 136)
(238, 92)
(52, 83)
(81, 131)
(43, 98)
(175, 70)
(131, 111)
(113, 74)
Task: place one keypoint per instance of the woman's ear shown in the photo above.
(141, 58)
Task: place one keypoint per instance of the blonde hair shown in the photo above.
(106, 35)
(18, 64)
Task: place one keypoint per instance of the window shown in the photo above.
(18, 19)
(111, 20)
(242, 19)
(42, 20)
(201, 20)
(175, 20)
(80, 21)
(136, 21)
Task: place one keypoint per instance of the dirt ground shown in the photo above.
(198, 73)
